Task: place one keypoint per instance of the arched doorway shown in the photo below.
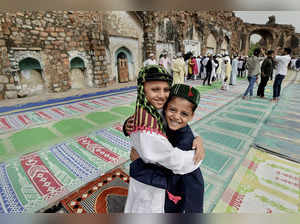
(211, 44)
(77, 76)
(31, 80)
(262, 38)
(224, 49)
(123, 61)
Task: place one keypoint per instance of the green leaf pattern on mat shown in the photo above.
(280, 186)
(274, 204)
(284, 168)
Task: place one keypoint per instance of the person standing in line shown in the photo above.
(234, 71)
(280, 71)
(215, 65)
(198, 59)
(209, 68)
(165, 62)
(195, 67)
(297, 64)
(253, 65)
(266, 73)
(240, 67)
(227, 70)
(203, 65)
(190, 67)
(151, 60)
(219, 69)
(178, 68)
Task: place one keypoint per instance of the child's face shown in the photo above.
(157, 93)
(178, 113)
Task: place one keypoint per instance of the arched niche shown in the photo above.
(224, 49)
(124, 64)
(31, 81)
(211, 44)
(77, 73)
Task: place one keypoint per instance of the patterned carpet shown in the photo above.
(228, 134)
(280, 133)
(107, 194)
(37, 180)
(37, 117)
(264, 183)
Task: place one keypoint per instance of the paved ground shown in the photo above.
(70, 141)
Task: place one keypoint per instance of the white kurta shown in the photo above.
(234, 71)
(156, 149)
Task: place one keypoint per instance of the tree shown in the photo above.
(252, 47)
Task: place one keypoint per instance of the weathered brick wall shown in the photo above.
(52, 35)
(55, 37)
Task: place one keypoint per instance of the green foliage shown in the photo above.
(252, 47)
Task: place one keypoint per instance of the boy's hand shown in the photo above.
(129, 125)
(200, 152)
(134, 155)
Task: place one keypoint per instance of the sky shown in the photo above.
(261, 17)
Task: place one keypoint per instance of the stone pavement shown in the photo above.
(71, 143)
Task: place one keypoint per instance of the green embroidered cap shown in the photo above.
(154, 73)
(188, 92)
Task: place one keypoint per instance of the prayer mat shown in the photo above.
(106, 195)
(281, 132)
(263, 184)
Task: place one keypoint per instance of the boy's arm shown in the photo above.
(156, 149)
(198, 146)
(128, 125)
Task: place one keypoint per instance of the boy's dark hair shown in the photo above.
(256, 51)
(288, 50)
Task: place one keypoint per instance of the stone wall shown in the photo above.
(49, 37)
(54, 38)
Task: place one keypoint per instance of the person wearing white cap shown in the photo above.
(151, 60)
(178, 68)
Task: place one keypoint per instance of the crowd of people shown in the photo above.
(262, 66)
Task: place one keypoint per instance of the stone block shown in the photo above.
(11, 95)
(3, 79)
(57, 89)
(44, 34)
(11, 87)
(1, 87)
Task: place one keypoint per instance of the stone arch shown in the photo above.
(267, 35)
(30, 79)
(211, 44)
(291, 42)
(225, 45)
(123, 53)
(88, 68)
(77, 75)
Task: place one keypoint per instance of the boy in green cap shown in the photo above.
(146, 193)
(184, 193)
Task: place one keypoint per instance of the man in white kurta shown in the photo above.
(151, 60)
(178, 68)
(234, 71)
